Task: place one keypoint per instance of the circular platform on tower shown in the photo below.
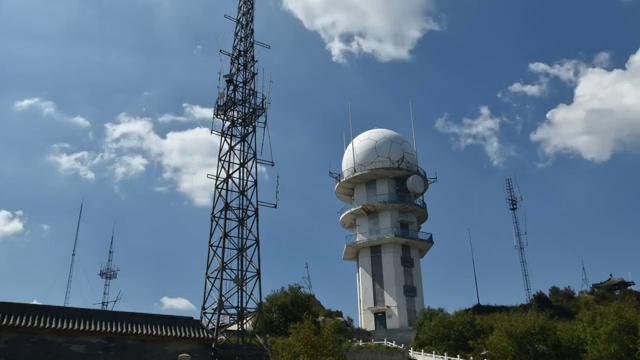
(374, 154)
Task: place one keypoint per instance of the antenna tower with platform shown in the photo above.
(231, 305)
(520, 237)
(108, 273)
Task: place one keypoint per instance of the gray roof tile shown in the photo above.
(36, 316)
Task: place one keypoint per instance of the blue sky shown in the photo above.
(111, 100)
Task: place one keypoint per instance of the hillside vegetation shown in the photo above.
(598, 324)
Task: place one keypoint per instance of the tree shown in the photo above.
(311, 340)
(525, 335)
(287, 306)
(611, 331)
(443, 332)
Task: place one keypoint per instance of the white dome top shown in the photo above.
(379, 148)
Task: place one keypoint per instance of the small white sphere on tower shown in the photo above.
(378, 148)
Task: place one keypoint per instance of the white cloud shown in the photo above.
(48, 108)
(176, 303)
(131, 144)
(128, 166)
(191, 113)
(536, 90)
(567, 71)
(482, 131)
(35, 301)
(46, 229)
(603, 118)
(11, 224)
(78, 163)
(185, 156)
(389, 30)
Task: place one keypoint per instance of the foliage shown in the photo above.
(311, 340)
(437, 330)
(299, 327)
(287, 306)
(598, 324)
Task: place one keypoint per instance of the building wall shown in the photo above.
(393, 272)
(53, 345)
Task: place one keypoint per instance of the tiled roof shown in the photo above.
(35, 316)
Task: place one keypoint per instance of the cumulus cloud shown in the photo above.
(482, 131)
(11, 223)
(567, 71)
(176, 303)
(74, 163)
(388, 30)
(48, 108)
(603, 117)
(190, 113)
(131, 144)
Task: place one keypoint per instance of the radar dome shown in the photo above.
(378, 148)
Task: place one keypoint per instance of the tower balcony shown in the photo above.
(423, 241)
(380, 202)
(349, 178)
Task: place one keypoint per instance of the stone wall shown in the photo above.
(81, 346)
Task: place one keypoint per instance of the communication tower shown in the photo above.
(306, 279)
(73, 258)
(586, 285)
(231, 306)
(108, 273)
(514, 198)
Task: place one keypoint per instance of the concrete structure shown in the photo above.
(383, 186)
(35, 332)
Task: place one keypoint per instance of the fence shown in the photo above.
(417, 355)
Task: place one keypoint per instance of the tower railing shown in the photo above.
(384, 199)
(377, 234)
(387, 165)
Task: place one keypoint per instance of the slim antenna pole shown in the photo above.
(473, 262)
(108, 273)
(73, 257)
(353, 148)
(585, 280)
(344, 141)
(413, 130)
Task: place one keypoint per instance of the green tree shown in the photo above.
(311, 340)
(524, 335)
(610, 331)
(287, 306)
(437, 330)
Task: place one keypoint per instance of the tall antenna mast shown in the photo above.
(73, 257)
(108, 273)
(353, 148)
(413, 130)
(585, 279)
(473, 262)
(306, 279)
(513, 202)
(233, 287)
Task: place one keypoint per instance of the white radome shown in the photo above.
(378, 148)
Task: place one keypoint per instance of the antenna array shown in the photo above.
(513, 202)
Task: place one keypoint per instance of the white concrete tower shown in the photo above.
(383, 187)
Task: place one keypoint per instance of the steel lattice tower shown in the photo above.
(513, 201)
(231, 306)
(108, 273)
